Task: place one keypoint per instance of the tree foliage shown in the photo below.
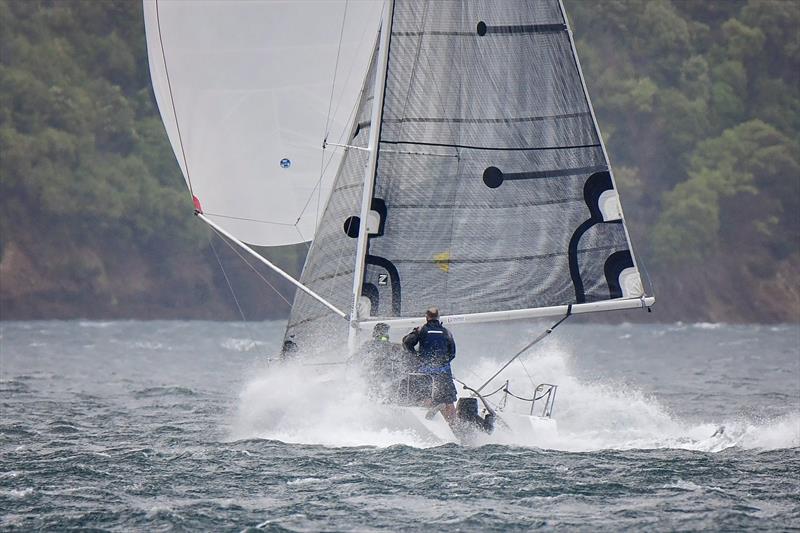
(83, 150)
(702, 100)
(699, 103)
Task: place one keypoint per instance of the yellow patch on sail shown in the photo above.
(442, 260)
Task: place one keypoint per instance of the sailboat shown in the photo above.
(431, 152)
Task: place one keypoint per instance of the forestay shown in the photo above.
(248, 91)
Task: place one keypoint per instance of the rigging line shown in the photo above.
(532, 399)
(439, 93)
(459, 162)
(253, 268)
(546, 332)
(412, 76)
(172, 101)
(233, 293)
(497, 148)
(478, 394)
(335, 70)
(248, 219)
(484, 397)
(530, 378)
(308, 245)
(318, 184)
(318, 190)
(647, 276)
(353, 111)
(353, 65)
(500, 388)
(305, 242)
(225, 274)
(328, 116)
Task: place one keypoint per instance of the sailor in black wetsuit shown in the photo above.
(436, 349)
(289, 349)
(385, 364)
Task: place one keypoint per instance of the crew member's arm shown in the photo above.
(451, 346)
(410, 341)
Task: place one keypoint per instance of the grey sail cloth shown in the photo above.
(499, 206)
(492, 188)
(330, 263)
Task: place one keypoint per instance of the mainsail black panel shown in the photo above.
(487, 144)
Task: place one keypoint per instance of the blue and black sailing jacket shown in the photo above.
(436, 347)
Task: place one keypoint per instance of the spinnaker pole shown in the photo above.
(219, 229)
(379, 89)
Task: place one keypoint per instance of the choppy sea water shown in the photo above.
(184, 425)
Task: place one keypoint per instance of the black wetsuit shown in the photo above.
(385, 363)
(436, 349)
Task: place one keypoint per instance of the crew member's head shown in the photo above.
(289, 348)
(432, 314)
(381, 332)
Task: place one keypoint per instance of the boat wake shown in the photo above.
(328, 405)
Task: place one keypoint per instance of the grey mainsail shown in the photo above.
(515, 207)
(493, 191)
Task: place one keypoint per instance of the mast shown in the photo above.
(369, 175)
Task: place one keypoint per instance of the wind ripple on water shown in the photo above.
(197, 437)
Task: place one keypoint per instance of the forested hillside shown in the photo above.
(699, 103)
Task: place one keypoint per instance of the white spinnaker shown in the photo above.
(244, 89)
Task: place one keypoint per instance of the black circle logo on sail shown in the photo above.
(285, 163)
(493, 177)
(351, 226)
(481, 28)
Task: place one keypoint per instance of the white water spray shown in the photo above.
(328, 405)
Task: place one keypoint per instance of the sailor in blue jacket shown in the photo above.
(436, 349)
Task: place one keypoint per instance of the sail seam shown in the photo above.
(497, 148)
(512, 120)
(506, 259)
(520, 29)
(250, 219)
(484, 206)
(431, 32)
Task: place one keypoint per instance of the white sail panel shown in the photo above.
(244, 89)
